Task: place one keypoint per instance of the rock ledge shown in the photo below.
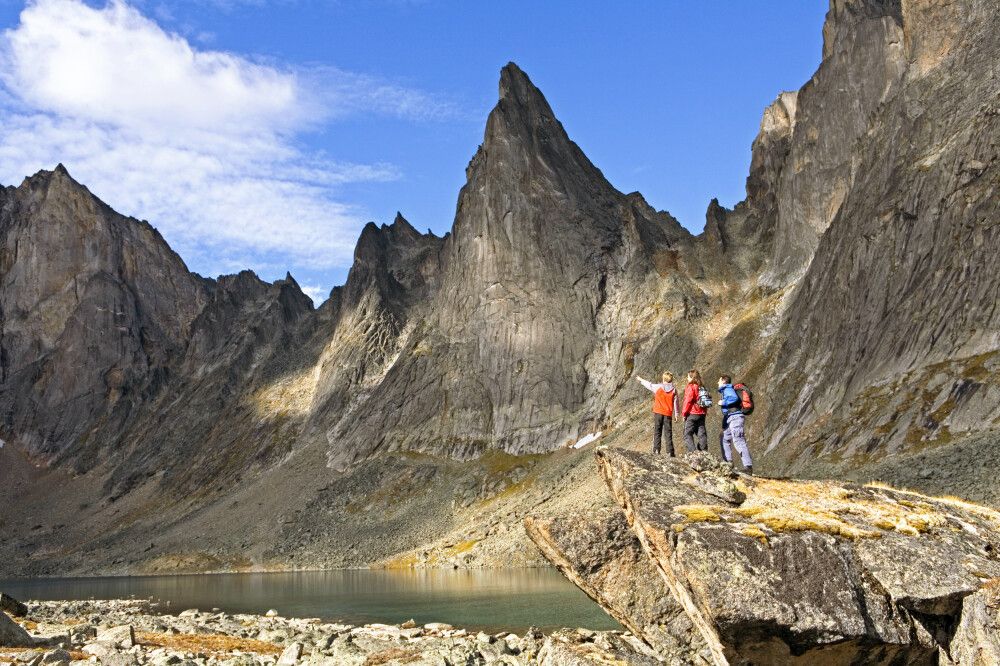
(723, 568)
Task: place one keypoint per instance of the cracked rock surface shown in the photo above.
(782, 571)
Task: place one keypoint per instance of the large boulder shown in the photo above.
(12, 634)
(597, 551)
(779, 571)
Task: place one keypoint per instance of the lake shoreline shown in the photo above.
(138, 633)
(266, 570)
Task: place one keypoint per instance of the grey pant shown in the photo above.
(663, 425)
(695, 423)
(733, 434)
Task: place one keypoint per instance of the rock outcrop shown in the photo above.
(597, 551)
(780, 571)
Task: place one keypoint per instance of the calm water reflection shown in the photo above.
(509, 599)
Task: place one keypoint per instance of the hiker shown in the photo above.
(733, 420)
(693, 411)
(665, 405)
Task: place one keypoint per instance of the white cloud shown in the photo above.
(201, 143)
(115, 65)
(342, 93)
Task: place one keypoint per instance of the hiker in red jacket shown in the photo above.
(665, 405)
(693, 411)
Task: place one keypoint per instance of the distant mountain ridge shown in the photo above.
(853, 287)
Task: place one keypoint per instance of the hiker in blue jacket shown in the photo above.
(733, 420)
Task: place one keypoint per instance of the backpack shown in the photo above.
(704, 399)
(746, 398)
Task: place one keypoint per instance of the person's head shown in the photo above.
(694, 377)
(668, 377)
(725, 379)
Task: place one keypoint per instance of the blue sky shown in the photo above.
(265, 134)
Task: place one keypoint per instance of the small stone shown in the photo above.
(122, 636)
(409, 624)
(378, 626)
(99, 650)
(82, 633)
(291, 655)
(57, 657)
(438, 626)
(271, 613)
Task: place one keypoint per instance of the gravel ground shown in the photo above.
(134, 633)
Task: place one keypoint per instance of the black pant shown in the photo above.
(695, 423)
(662, 425)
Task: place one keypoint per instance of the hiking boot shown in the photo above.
(749, 470)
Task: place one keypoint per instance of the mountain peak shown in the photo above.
(44, 176)
(514, 80)
(523, 133)
(401, 226)
(521, 102)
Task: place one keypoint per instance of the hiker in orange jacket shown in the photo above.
(665, 405)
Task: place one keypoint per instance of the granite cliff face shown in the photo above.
(890, 339)
(95, 308)
(862, 64)
(853, 287)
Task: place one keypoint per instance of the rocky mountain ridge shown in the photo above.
(852, 287)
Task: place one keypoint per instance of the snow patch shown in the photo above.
(586, 439)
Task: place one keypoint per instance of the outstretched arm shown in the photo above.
(642, 381)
